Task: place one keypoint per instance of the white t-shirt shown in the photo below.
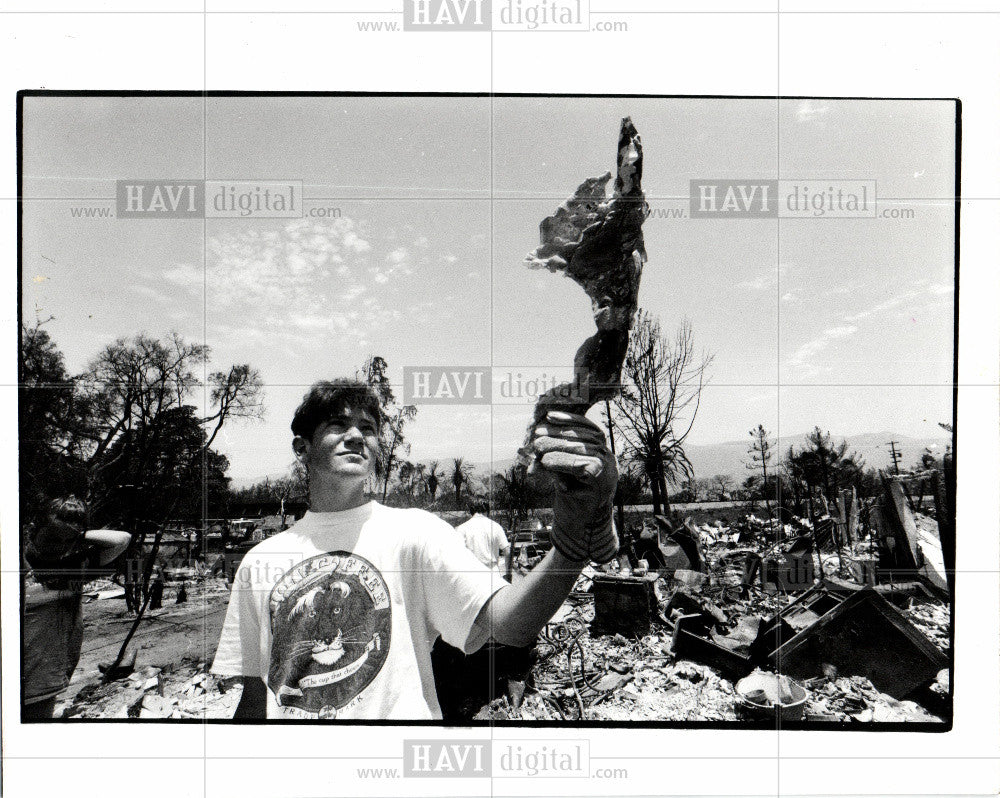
(338, 614)
(484, 538)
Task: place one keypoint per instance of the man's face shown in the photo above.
(343, 447)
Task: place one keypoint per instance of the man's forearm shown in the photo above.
(110, 542)
(516, 614)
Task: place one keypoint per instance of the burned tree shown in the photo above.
(146, 448)
(394, 419)
(823, 465)
(51, 424)
(460, 472)
(661, 392)
(144, 435)
(761, 453)
(432, 479)
(722, 484)
(514, 493)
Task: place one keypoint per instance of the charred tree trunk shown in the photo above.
(661, 476)
(654, 485)
(619, 502)
(111, 672)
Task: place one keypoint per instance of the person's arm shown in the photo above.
(110, 543)
(574, 450)
(253, 702)
(60, 559)
(516, 614)
(504, 544)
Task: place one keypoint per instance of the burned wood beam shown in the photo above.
(596, 241)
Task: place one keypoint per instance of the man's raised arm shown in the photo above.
(572, 448)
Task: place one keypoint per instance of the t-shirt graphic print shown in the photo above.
(331, 624)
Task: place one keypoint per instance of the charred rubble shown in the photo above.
(842, 617)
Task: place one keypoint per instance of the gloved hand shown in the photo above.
(573, 449)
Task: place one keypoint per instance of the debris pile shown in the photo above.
(854, 698)
(791, 617)
(614, 678)
(932, 618)
(184, 692)
(170, 643)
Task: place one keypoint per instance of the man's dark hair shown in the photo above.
(59, 530)
(68, 510)
(329, 398)
(56, 546)
(481, 506)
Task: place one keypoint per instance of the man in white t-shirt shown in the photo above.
(486, 539)
(336, 616)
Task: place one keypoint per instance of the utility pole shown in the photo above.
(895, 455)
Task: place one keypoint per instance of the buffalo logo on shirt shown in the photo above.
(331, 621)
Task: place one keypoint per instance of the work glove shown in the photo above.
(573, 449)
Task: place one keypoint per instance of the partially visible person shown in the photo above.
(156, 588)
(60, 557)
(485, 538)
(466, 682)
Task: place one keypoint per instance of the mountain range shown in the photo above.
(730, 458)
(873, 447)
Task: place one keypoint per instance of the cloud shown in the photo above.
(397, 256)
(769, 279)
(184, 275)
(811, 111)
(840, 332)
(293, 286)
(312, 322)
(352, 293)
(151, 293)
(355, 243)
(400, 263)
(802, 361)
(926, 289)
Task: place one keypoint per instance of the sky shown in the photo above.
(842, 323)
